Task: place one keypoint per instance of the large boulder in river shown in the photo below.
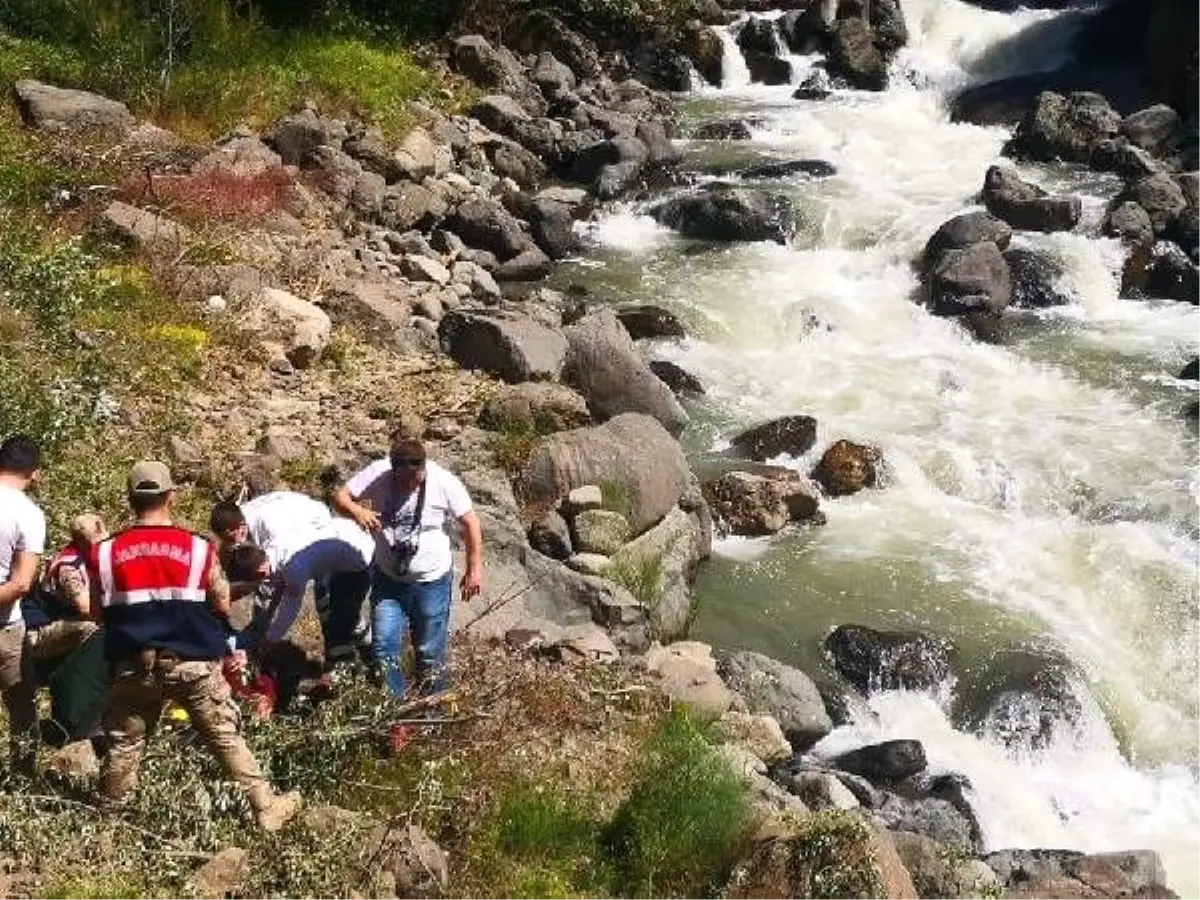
(1160, 195)
(773, 689)
(793, 435)
(1036, 279)
(761, 503)
(874, 660)
(854, 57)
(1026, 206)
(1156, 129)
(722, 212)
(975, 279)
(603, 364)
(632, 452)
(503, 343)
(758, 34)
(649, 321)
(887, 763)
(846, 468)
(961, 232)
(1066, 128)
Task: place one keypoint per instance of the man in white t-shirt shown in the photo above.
(285, 522)
(407, 503)
(22, 542)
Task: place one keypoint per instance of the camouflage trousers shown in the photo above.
(59, 638)
(139, 693)
(18, 688)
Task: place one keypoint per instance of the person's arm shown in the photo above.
(218, 590)
(472, 534)
(72, 587)
(364, 517)
(283, 610)
(20, 580)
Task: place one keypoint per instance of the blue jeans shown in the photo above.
(423, 607)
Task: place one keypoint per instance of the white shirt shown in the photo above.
(22, 530)
(446, 498)
(336, 546)
(284, 518)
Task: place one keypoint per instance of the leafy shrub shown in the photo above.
(641, 575)
(684, 823)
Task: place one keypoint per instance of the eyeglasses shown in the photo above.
(407, 463)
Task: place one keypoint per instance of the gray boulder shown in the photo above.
(1129, 222)
(935, 818)
(551, 536)
(632, 453)
(406, 206)
(961, 232)
(495, 67)
(554, 77)
(603, 364)
(971, 280)
(1156, 129)
(51, 108)
(1066, 128)
(295, 135)
(528, 265)
(485, 224)
(767, 68)
(725, 213)
(1160, 195)
(649, 321)
(1038, 873)
(506, 344)
(885, 763)
(550, 222)
(854, 57)
(678, 379)
(788, 695)
(1025, 206)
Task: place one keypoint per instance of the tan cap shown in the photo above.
(150, 477)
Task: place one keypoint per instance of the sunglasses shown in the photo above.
(407, 463)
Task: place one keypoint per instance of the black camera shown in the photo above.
(402, 553)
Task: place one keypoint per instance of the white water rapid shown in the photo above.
(1042, 491)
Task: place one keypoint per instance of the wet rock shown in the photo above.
(1019, 696)
(1129, 222)
(724, 130)
(773, 689)
(1066, 128)
(1163, 272)
(1190, 372)
(682, 382)
(688, 675)
(885, 763)
(1026, 206)
(805, 30)
(1119, 156)
(874, 660)
(963, 231)
(847, 468)
(813, 168)
(756, 505)
(631, 450)
(51, 108)
(766, 68)
(725, 213)
(932, 817)
(969, 280)
(1156, 129)
(790, 435)
(508, 345)
(603, 364)
(703, 47)
(539, 407)
(854, 57)
(758, 34)
(815, 86)
(1160, 196)
(1035, 279)
(649, 321)
(551, 535)
(1069, 873)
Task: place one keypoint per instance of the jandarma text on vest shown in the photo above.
(174, 552)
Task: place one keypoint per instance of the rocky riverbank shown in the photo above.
(428, 250)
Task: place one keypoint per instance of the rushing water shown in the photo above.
(1039, 493)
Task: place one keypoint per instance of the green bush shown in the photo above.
(685, 821)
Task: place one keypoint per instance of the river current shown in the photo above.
(1039, 493)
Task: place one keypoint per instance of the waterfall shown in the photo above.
(1039, 492)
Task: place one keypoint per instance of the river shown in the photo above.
(1039, 493)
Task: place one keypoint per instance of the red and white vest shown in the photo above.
(153, 582)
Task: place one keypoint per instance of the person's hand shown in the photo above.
(367, 519)
(472, 583)
(237, 661)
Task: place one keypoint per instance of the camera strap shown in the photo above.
(414, 531)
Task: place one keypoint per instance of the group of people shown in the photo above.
(159, 597)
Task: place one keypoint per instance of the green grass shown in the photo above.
(641, 575)
(684, 823)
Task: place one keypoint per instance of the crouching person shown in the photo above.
(56, 611)
(162, 599)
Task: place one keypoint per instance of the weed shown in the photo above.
(685, 820)
(106, 885)
(614, 496)
(303, 473)
(513, 445)
(641, 575)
